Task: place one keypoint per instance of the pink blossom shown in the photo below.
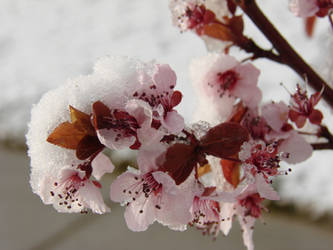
(71, 192)
(195, 14)
(303, 8)
(296, 148)
(247, 209)
(255, 124)
(147, 111)
(259, 158)
(293, 146)
(206, 211)
(307, 8)
(101, 165)
(206, 215)
(219, 77)
(157, 89)
(302, 107)
(276, 115)
(151, 196)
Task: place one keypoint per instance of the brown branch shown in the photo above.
(288, 55)
(322, 146)
(324, 132)
(250, 46)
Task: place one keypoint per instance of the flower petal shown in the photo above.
(227, 212)
(140, 214)
(92, 198)
(173, 122)
(247, 224)
(119, 187)
(101, 165)
(297, 148)
(265, 189)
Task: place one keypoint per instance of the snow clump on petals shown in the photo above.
(220, 79)
(189, 14)
(195, 14)
(303, 8)
(147, 107)
(112, 84)
(152, 196)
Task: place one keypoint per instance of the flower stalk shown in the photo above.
(287, 54)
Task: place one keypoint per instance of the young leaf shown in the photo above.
(180, 159)
(204, 170)
(231, 172)
(238, 113)
(224, 139)
(66, 135)
(88, 146)
(100, 110)
(218, 31)
(81, 121)
(309, 25)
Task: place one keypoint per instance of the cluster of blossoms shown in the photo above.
(202, 175)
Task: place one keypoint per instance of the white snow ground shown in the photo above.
(43, 43)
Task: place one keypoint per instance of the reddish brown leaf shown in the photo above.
(315, 97)
(66, 135)
(100, 110)
(176, 98)
(309, 25)
(81, 121)
(231, 171)
(88, 146)
(297, 118)
(208, 191)
(238, 113)
(218, 31)
(180, 159)
(315, 117)
(236, 25)
(224, 139)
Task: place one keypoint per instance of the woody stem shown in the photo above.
(287, 54)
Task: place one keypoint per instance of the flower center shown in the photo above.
(145, 186)
(206, 215)
(66, 192)
(266, 160)
(227, 80)
(253, 206)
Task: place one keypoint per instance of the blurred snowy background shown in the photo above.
(43, 43)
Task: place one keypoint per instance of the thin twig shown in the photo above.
(322, 146)
(286, 53)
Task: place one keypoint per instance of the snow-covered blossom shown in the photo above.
(195, 14)
(146, 109)
(303, 8)
(220, 79)
(127, 101)
(152, 196)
